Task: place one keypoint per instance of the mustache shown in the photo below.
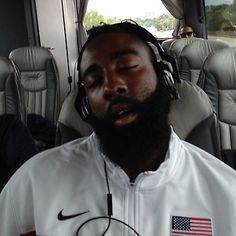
(121, 99)
(133, 104)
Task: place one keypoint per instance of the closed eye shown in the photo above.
(93, 81)
(126, 68)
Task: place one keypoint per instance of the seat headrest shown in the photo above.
(31, 58)
(184, 114)
(190, 109)
(11, 96)
(196, 52)
(221, 64)
(6, 70)
(70, 117)
(178, 45)
(166, 44)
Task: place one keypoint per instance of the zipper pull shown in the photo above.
(131, 183)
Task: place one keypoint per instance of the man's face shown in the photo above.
(186, 32)
(116, 67)
(129, 106)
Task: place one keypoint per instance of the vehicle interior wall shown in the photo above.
(13, 26)
(58, 32)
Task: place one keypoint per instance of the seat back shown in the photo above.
(218, 80)
(40, 80)
(11, 96)
(193, 56)
(191, 116)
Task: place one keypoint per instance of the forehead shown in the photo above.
(186, 29)
(108, 43)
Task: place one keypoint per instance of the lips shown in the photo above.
(122, 114)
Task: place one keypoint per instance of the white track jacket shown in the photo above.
(55, 192)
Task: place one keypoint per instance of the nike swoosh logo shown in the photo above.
(62, 217)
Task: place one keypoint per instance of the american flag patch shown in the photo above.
(191, 226)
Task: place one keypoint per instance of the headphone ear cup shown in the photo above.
(170, 84)
(81, 103)
(166, 74)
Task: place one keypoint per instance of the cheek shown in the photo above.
(146, 85)
(97, 104)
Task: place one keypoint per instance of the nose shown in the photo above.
(115, 86)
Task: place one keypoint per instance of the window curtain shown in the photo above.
(175, 7)
(81, 7)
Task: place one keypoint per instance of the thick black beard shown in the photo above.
(131, 144)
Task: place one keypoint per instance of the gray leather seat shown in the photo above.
(70, 125)
(166, 45)
(193, 56)
(191, 116)
(40, 80)
(178, 45)
(218, 80)
(11, 96)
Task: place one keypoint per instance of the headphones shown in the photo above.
(165, 68)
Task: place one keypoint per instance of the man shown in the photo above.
(133, 176)
(186, 32)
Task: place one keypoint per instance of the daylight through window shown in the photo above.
(151, 14)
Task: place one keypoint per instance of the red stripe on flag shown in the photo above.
(33, 233)
(200, 219)
(189, 233)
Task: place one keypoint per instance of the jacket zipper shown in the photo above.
(131, 207)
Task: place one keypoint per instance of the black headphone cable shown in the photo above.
(109, 200)
(109, 211)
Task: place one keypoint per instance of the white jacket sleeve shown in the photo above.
(8, 219)
(16, 205)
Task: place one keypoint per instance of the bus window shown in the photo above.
(151, 14)
(221, 20)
